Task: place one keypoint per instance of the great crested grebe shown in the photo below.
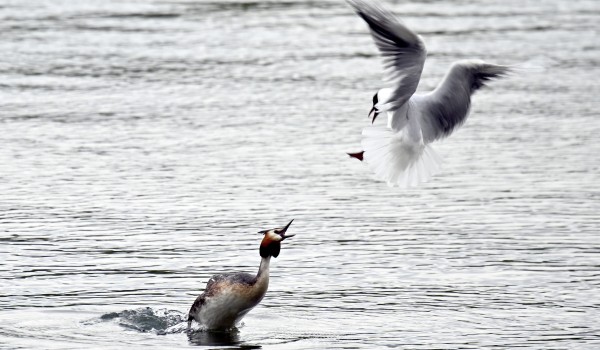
(228, 297)
(399, 153)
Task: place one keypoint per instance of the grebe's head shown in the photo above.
(271, 243)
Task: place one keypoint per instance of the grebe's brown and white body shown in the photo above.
(399, 153)
(228, 297)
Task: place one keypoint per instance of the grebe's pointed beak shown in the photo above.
(283, 230)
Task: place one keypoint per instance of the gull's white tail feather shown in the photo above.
(396, 160)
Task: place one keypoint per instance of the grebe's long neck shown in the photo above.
(263, 270)
(261, 282)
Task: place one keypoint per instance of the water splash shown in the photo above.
(147, 319)
(164, 321)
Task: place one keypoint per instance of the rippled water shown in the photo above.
(145, 143)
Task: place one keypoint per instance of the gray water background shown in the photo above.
(144, 143)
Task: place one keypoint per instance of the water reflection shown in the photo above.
(218, 338)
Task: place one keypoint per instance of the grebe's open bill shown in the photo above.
(282, 233)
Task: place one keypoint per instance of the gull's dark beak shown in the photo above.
(371, 111)
(374, 116)
(375, 113)
(283, 230)
(374, 109)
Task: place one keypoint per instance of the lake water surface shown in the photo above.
(144, 144)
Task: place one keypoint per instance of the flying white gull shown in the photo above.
(399, 153)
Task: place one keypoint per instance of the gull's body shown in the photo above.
(399, 153)
(229, 297)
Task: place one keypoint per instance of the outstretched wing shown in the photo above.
(447, 107)
(402, 50)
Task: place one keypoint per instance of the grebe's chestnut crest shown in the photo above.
(271, 243)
